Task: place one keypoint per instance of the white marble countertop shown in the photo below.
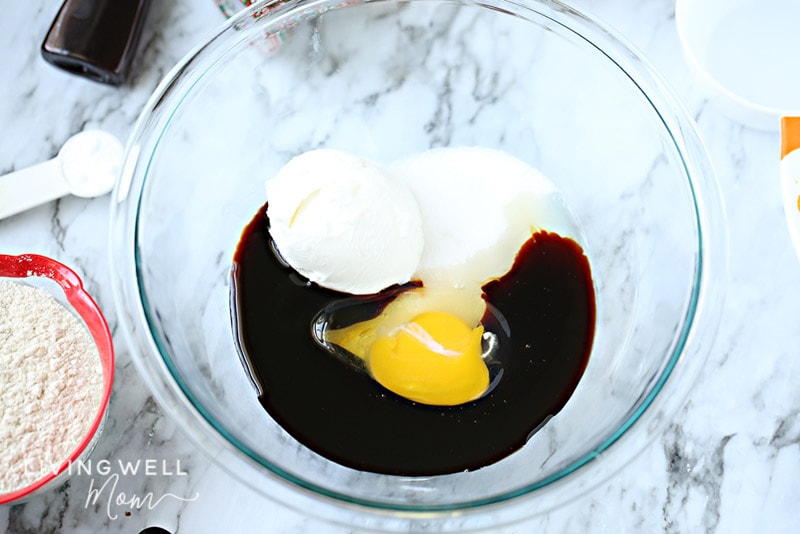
(728, 464)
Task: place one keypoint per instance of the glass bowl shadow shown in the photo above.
(385, 79)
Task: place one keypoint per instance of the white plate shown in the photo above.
(747, 54)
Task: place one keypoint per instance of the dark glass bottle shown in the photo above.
(96, 38)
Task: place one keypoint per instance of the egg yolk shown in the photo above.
(433, 359)
(426, 345)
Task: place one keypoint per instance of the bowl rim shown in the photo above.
(709, 270)
(26, 266)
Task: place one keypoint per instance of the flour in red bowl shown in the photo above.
(51, 384)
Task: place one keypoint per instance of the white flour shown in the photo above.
(51, 384)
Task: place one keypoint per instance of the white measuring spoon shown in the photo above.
(86, 166)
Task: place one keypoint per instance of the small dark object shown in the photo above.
(155, 530)
(96, 38)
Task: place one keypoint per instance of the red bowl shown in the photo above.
(75, 296)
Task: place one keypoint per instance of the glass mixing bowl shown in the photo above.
(385, 79)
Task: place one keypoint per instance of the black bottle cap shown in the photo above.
(96, 38)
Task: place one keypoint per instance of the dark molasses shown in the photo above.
(546, 301)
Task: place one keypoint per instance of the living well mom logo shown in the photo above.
(108, 476)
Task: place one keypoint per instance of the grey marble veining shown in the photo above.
(727, 464)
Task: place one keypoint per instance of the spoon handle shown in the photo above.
(32, 186)
(790, 176)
